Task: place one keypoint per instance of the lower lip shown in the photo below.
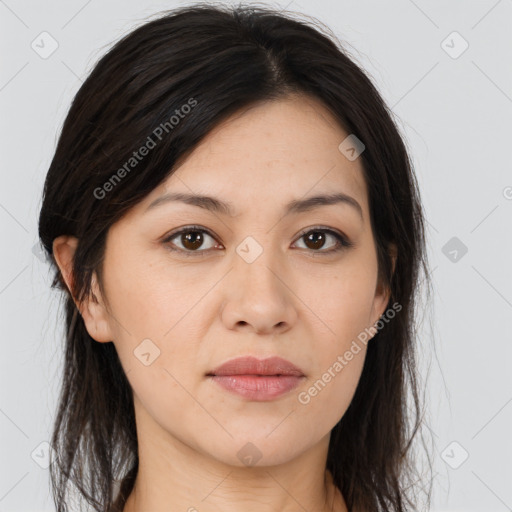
(260, 388)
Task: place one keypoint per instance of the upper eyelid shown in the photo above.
(193, 227)
(183, 229)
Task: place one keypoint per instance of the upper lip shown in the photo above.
(250, 365)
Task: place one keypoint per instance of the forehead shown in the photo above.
(275, 151)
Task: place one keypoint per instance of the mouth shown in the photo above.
(257, 380)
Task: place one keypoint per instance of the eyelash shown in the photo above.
(343, 242)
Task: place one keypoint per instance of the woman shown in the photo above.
(236, 226)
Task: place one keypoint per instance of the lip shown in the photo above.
(250, 365)
(257, 379)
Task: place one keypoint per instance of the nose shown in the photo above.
(259, 296)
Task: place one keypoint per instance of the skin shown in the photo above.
(291, 301)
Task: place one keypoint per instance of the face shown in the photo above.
(260, 279)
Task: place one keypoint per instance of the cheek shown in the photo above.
(161, 392)
(344, 305)
(343, 302)
(148, 296)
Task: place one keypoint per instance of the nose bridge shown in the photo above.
(258, 262)
(257, 293)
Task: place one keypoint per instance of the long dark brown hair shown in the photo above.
(226, 59)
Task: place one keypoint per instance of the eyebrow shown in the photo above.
(295, 206)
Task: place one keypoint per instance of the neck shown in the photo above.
(174, 476)
(233, 493)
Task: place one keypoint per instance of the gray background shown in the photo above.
(454, 110)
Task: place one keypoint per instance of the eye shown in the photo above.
(315, 238)
(191, 238)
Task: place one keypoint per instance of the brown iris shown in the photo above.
(316, 238)
(192, 240)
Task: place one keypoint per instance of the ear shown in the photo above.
(383, 293)
(93, 311)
